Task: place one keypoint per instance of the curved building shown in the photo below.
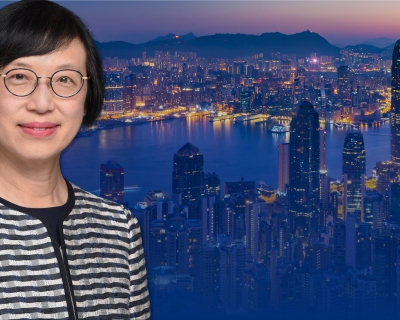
(304, 184)
(395, 108)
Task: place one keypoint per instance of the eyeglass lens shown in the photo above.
(22, 82)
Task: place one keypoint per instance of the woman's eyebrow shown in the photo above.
(26, 65)
(20, 64)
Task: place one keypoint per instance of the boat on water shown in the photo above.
(339, 125)
(247, 117)
(279, 129)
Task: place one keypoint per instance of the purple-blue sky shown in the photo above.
(341, 22)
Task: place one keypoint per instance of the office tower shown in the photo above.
(386, 173)
(283, 166)
(298, 87)
(339, 241)
(343, 78)
(212, 185)
(279, 233)
(235, 207)
(319, 256)
(395, 107)
(176, 244)
(385, 247)
(112, 181)
(265, 242)
(246, 188)
(220, 218)
(324, 179)
(207, 204)
(129, 92)
(351, 240)
(394, 204)
(224, 264)
(253, 211)
(114, 92)
(195, 252)
(257, 287)
(364, 245)
(304, 190)
(353, 169)
(245, 101)
(374, 209)
(187, 175)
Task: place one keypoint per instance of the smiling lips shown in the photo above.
(39, 129)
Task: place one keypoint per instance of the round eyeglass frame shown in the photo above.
(37, 82)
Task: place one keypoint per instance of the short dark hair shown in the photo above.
(38, 27)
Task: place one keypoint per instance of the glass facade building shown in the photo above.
(304, 185)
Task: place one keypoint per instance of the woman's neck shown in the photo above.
(32, 184)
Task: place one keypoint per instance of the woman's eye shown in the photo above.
(19, 77)
(64, 80)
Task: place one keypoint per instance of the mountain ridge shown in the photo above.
(228, 45)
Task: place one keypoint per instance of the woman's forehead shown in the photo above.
(72, 56)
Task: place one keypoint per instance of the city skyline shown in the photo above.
(142, 21)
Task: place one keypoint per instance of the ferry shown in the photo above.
(280, 129)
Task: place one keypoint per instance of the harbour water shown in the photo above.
(232, 150)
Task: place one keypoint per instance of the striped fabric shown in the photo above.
(104, 255)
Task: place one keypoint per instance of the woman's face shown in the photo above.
(40, 125)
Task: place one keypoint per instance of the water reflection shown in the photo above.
(231, 149)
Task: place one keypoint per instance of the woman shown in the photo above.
(64, 253)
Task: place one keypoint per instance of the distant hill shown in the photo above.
(227, 45)
(170, 36)
(381, 42)
(364, 48)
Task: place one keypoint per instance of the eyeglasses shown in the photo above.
(22, 82)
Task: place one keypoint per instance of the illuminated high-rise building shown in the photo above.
(324, 179)
(283, 166)
(212, 185)
(112, 181)
(114, 92)
(343, 78)
(188, 173)
(245, 97)
(129, 92)
(395, 107)
(304, 184)
(353, 169)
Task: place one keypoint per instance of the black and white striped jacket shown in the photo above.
(98, 272)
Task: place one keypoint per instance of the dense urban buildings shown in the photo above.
(314, 246)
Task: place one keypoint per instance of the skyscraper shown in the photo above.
(395, 107)
(245, 101)
(129, 92)
(283, 166)
(353, 169)
(343, 78)
(188, 174)
(114, 93)
(112, 181)
(212, 185)
(304, 170)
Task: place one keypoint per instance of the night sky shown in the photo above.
(341, 22)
